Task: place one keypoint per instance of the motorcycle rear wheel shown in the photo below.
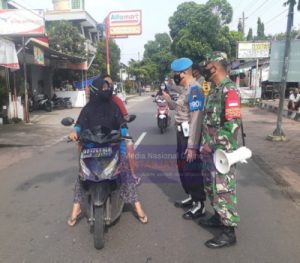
(99, 227)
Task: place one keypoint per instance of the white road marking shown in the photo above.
(139, 140)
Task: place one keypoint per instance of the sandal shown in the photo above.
(73, 221)
(143, 219)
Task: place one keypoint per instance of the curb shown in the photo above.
(286, 113)
(284, 186)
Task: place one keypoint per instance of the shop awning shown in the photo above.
(57, 59)
(8, 54)
(239, 71)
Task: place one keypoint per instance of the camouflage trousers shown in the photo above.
(221, 191)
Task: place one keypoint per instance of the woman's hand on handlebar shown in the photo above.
(73, 136)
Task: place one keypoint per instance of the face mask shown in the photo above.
(206, 73)
(162, 87)
(177, 78)
(105, 94)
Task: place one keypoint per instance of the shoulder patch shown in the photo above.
(232, 105)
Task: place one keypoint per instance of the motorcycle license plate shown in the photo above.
(97, 152)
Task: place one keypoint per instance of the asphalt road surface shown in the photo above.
(36, 198)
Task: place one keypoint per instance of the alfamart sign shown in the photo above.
(125, 23)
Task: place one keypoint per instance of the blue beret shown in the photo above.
(181, 64)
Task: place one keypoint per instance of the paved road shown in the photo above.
(36, 196)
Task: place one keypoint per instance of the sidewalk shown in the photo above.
(272, 105)
(279, 159)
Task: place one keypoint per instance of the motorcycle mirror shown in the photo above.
(132, 117)
(68, 121)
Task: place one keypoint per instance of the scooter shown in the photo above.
(61, 103)
(162, 114)
(39, 102)
(100, 177)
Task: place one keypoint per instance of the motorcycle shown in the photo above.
(100, 177)
(61, 103)
(39, 102)
(162, 114)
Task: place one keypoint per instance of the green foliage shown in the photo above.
(260, 30)
(197, 29)
(181, 17)
(99, 64)
(250, 35)
(221, 8)
(282, 36)
(158, 53)
(3, 92)
(66, 38)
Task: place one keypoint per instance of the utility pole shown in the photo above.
(278, 134)
(243, 23)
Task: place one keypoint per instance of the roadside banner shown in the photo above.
(253, 50)
(38, 56)
(21, 22)
(8, 54)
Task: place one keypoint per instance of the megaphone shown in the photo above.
(224, 160)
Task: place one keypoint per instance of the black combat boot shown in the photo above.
(213, 221)
(225, 239)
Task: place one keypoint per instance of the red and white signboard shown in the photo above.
(21, 22)
(125, 23)
(8, 54)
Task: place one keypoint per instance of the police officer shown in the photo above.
(188, 118)
(220, 128)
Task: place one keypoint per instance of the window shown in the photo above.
(76, 4)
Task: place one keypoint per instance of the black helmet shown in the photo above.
(96, 90)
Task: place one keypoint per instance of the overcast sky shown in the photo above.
(155, 15)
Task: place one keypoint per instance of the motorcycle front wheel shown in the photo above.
(99, 227)
(48, 106)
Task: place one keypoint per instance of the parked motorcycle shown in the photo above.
(162, 113)
(100, 177)
(39, 102)
(61, 103)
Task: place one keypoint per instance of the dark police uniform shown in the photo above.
(188, 113)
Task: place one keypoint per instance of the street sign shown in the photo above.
(276, 61)
(125, 23)
(253, 50)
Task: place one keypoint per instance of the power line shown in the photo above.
(258, 8)
(251, 5)
(277, 16)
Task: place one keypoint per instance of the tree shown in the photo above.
(240, 26)
(260, 30)
(99, 64)
(181, 17)
(221, 8)
(250, 35)
(66, 38)
(197, 29)
(159, 53)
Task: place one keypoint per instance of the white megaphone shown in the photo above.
(224, 160)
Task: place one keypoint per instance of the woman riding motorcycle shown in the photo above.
(102, 111)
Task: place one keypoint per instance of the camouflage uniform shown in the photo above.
(219, 133)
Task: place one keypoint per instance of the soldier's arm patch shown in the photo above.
(232, 105)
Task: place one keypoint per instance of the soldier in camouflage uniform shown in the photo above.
(219, 132)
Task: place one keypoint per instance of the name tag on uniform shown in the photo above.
(196, 99)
